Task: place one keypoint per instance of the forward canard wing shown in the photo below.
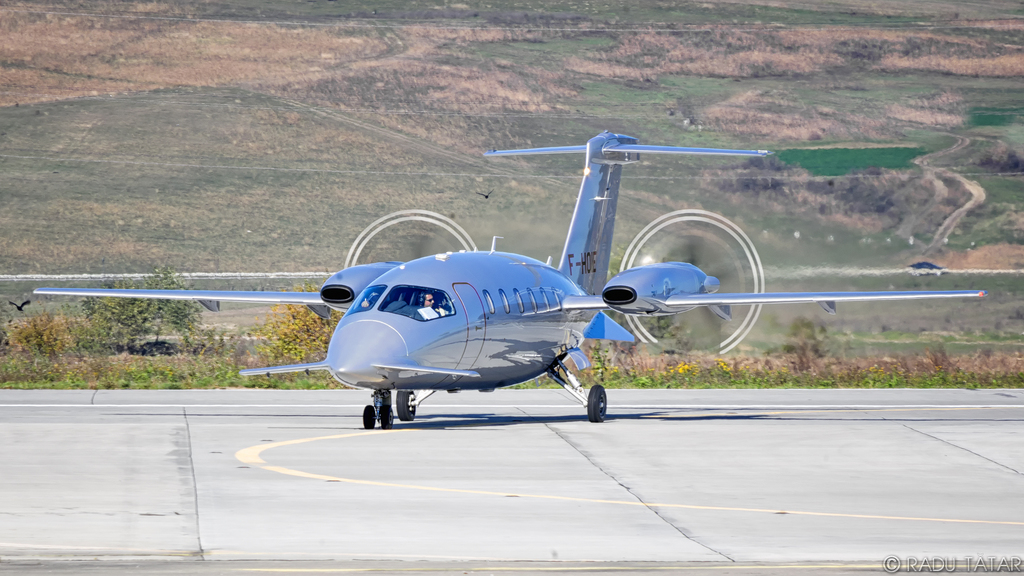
(307, 368)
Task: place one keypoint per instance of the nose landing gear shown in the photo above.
(380, 411)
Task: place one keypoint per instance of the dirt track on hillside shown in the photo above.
(977, 192)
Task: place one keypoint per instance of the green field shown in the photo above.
(994, 116)
(840, 161)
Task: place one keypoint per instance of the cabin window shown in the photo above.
(490, 303)
(418, 303)
(557, 298)
(544, 297)
(504, 301)
(367, 299)
(519, 300)
(533, 301)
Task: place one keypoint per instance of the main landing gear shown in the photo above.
(405, 406)
(596, 401)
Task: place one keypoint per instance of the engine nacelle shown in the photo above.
(644, 290)
(342, 287)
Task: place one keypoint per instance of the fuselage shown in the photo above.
(497, 314)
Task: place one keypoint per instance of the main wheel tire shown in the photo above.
(387, 418)
(369, 418)
(406, 411)
(597, 403)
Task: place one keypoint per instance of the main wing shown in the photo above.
(827, 300)
(208, 298)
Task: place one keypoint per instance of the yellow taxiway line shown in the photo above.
(252, 456)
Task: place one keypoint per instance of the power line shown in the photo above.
(765, 176)
(156, 98)
(528, 28)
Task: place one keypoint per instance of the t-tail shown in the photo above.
(588, 248)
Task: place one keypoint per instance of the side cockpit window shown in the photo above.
(418, 303)
(367, 299)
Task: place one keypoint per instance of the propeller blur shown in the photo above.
(473, 320)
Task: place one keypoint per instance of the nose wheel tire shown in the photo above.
(597, 403)
(406, 411)
(387, 418)
(369, 418)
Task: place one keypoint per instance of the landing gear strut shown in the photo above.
(380, 411)
(596, 402)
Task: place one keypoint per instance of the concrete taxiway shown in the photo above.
(728, 477)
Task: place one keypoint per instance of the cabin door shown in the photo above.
(476, 323)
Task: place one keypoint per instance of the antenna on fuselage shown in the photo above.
(494, 243)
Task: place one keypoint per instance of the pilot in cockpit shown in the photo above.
(434, 303)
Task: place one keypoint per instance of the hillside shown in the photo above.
(257, 135)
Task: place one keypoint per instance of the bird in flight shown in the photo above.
(20, 307)
(488, 195)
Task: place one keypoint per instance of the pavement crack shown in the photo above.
(195, 485)
(627, 489)
(964, 449)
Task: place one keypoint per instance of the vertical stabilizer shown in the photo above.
(588, 247)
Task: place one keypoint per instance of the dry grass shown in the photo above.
(1009, 65)
(771, 115)
(926, 117)
(991, 257)
(636, 361)
(97, 56)
(760, 53)
(945, 110)
(411, 70)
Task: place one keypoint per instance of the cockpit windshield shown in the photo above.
(367, 299)
(418, 303)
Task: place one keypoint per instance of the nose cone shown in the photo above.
(356, 347)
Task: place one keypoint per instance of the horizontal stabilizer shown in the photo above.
(631, 148)
(528, 151)
(209, 296)
(403, 366)
(283, 369)
(683, 150)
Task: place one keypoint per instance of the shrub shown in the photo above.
(118, 324)
(806, 341)
(295, 334)
(1002, 159)
(44, 334)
